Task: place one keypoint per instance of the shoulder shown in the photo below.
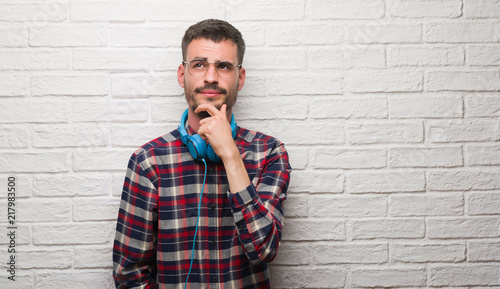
(252, 138)
(159, 145)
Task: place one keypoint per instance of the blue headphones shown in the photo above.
(198, 148)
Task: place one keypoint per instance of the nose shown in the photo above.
(211, 76)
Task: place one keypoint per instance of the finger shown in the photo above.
(223, 109)
(208, 107)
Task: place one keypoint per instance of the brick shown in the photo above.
(69, 35)
(296, 277)
(330, 158)
(463, 180)
(14, 36)
(71, 185)
(346, 57)
(23, 280)
(14, 84)
(36, 210)
(146, 36)
(384, 132)
(347, 206)
(298, 156)
(478, 227)
(293, 254)
(389, 277)
(23, 184)
(427, 252)
(13, 137)
(322, 84)
(425, 106)
(322, 254)
(52, 234)
(275, 58)
(171, 10)
(254, 86)
(117, 183)
(401, 228)
(311, 133)
(75, 279)
(39, 12)
(385, 181)
(23, 236)
(95, 209)
(416, 157)
(352, 107)
(384, 81)
(113, 110)
(45, 259)
(484, 55)
(109, 11)
(483, 105)
(304, 34)
(24, 162)
(423, 8)
(137, 135)
(101, 159)
(425, 56)
(264, 10)
(253, 33)
(464, 275)
(34, 59)
(482, 155)
(458, 32)
(426, 205)
(93, 257)
(70, 85)
(145, 85)
(444, 131)
(314, 230)
(484, 203)
(481, 8)
(34, 111)
(384, 33)
(481, 251)
(166, 59)
(318, 182)
(271, 108)
(294, 207)
(170, 109)
(111, 59)
(462, 81)
(345, 9)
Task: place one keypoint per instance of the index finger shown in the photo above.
(208, 107)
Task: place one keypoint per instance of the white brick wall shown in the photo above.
(390, 110)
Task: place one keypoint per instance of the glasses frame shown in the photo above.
(238, 66)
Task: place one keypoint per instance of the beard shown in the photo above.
(229, 99)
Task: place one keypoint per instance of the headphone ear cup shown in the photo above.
(197, 147)
(211, 155)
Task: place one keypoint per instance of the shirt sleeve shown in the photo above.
(134, 250)
(258, 209)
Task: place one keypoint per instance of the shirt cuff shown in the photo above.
(242, 197)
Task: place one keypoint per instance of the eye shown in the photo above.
(198, 64)
(223, 65)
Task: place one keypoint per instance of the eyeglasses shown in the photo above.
(199, 67)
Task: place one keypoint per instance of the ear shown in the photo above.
(241, 78)
(180, 75)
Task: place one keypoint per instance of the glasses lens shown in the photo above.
(226, 69)
(198, 68)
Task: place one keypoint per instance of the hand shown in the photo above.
(217, 131)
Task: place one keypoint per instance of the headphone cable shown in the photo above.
(197, 221)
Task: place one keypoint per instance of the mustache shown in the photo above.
(211, 87)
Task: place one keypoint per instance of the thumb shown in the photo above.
(223, 110)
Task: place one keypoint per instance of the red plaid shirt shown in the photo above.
(238, 233)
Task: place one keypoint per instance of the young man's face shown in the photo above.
(211, 87)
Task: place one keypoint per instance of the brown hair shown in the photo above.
(215, 30)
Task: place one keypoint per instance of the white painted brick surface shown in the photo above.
(389, 109)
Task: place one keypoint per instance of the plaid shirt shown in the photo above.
(238, 233)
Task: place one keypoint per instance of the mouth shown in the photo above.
(211, 93)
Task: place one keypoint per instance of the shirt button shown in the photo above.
(212, 206)
(215, 279)
(212, 243)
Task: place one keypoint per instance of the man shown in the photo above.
(168, 191)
